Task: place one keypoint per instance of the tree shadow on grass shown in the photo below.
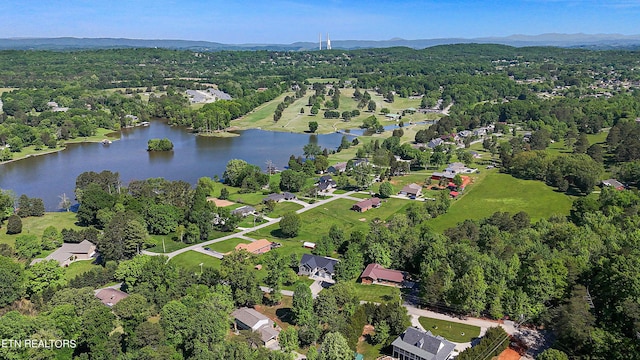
(278, 233)
(285, 315)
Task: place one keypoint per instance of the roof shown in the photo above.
(248, 316)
(367, 203)
(67, 250)
(613, 183)
(412, 189)
(254, 246)
(244, 210)
(314, 261)
(274, 197)
(110, 296)
(377, 272)
(339, 166)
(424, 344)
(454, 193)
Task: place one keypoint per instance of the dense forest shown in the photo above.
(505, 265)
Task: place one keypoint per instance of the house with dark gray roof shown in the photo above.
(415, 344)
(280, 197)
(319, 267)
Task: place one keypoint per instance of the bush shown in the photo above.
(290, 224)
(14, 225)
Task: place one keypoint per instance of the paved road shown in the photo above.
(242, 233)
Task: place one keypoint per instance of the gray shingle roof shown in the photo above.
(424, 344)
(313, 261)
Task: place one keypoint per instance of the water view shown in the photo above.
(49, 176)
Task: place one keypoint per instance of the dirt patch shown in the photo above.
(509, 354)
(366, 330)
(220, 202)
(362, 219)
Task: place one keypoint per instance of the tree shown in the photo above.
(51, 238)
(291, 180)
(123, 237)
(234, 171)
(580, 147)
(552, 354)
(371, 106)
(13, 280)
(132, 311)
(363, 173)
(457, 180)
(335, 347)
(381, 335)
(351, 265)
(386, 190)
(14, 225)
(313, 126)
(302, 303)
(43, 275)
(288, 339)
(596, 153)
(311, 150)
(290, 224)
(224, 193)
(175, 320)
(28, 246)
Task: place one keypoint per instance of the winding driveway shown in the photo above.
(243, 233)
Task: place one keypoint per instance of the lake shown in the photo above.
(49, 176)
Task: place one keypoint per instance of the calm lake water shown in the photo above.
(48, 176)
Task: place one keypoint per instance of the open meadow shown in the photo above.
(494, 191)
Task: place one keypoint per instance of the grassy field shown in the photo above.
(77, 268)
(36, 225)
(377, 293)
(494, 191)
(294, 121)
(191, 260)
(169, 244)
(316, 222)
(283, 208)
(227, 245)
(281, 313)
(451, 331)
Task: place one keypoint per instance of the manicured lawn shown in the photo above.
(248, 198)
(191, 260)
(280, 313)
(169, 243)
(283, 208)
(451, 331)
(227, 245)
(377, 293)
(77, 268)
(494, 191)
(36, 225)
(361, 196)
(316, 222)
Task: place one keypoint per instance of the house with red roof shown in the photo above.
(376, 274)
(367, 204)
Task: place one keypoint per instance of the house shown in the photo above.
(244, 211)
(219, 95)
(614, 184)
(250, 319)
(395, 117)
(411, 190)
(465, 133)
(325, 183)
(376, 274)
(442, 175)
(414, 344)
(337, 168)
(434, 143)
(317, 267)
(459, 168)
(257, 247)
(367, 204)
(454, 194)
(110, 297)
(280, 197)
(68, 253)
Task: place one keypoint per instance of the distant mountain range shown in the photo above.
(597, 41)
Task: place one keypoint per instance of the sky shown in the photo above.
(288, 21)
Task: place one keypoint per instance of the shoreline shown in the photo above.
(62, 148)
